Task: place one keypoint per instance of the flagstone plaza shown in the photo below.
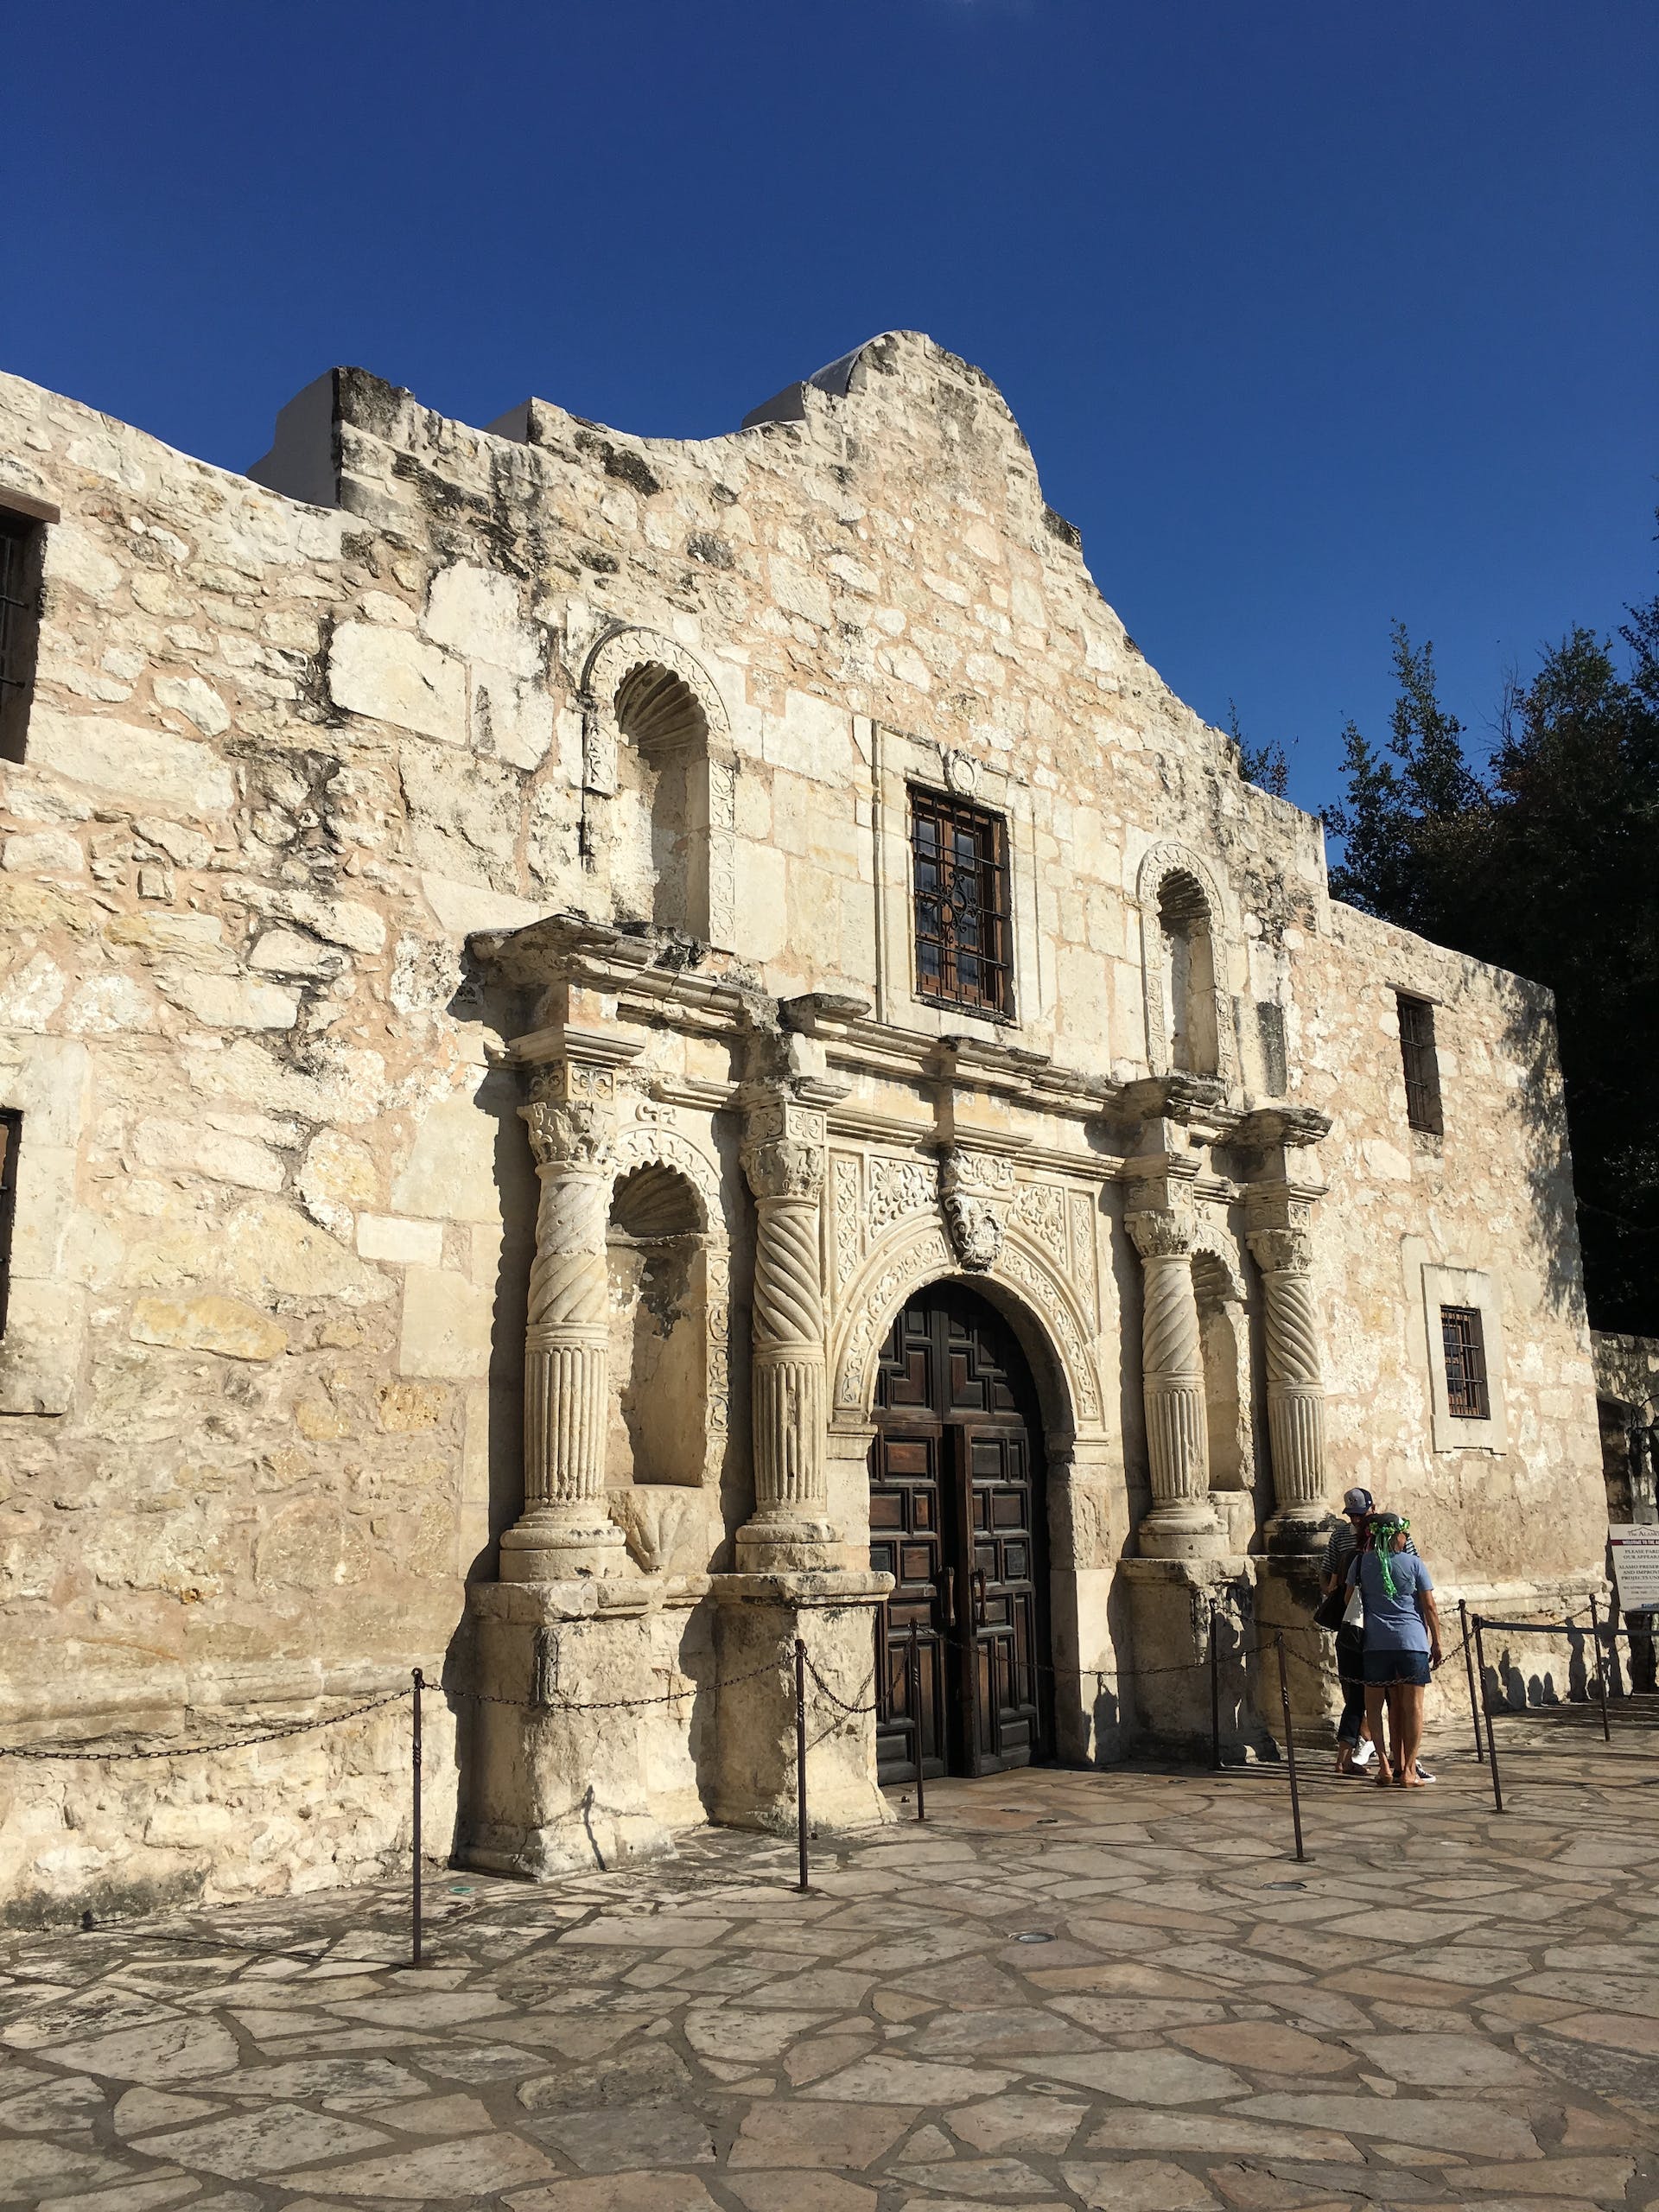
(1066, 1989)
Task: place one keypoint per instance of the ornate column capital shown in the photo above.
(1282, 1251)
(783, 1146)
(1162, 1234)
(571, 1116)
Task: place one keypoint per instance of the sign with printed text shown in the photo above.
(1636, 1567)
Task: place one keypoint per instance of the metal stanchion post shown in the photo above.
(800, 1756)
(1290, 1746)
(1601, 1670)
(916, 1719)
(1469, 1670)
(1214, 1696)
(419, 1684)
(1491, 1739)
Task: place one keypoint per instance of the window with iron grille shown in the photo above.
(11, 1130)
(20, 538)
(1422, 1067)
(962, 947)
(1466, 1396)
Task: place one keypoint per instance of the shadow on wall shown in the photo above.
(1529, 1041)
(1509, 1684)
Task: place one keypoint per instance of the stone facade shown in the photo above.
(479, 1124)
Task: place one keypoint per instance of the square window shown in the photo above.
(1422, 1067)
(1467, 1397)
(959, 856)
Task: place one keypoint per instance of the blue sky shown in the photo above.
(1315, 314)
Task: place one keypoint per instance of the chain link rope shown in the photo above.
(203, 1751)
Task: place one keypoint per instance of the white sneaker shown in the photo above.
(1364, 1753)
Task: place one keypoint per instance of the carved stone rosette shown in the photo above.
(565, 1528)
(783, 1158)
(1182, 1522)
(1295, 1384)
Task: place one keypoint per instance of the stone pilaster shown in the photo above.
(1295, 1385)
(1182, 1523)
(565, 1529)
(783, 1158)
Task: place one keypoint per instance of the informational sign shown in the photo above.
(1636, 1567)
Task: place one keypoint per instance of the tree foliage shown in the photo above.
(1546, 862)
(1267, 766)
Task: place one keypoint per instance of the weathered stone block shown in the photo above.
(446, 1326)
(209, 1322)
(393, 677)
(128, 758)
(406, 1243)
(474, 611)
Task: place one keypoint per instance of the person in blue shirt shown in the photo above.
(1403, 1643)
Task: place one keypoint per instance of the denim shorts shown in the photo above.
(1386, 1667)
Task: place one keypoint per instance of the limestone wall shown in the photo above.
(261, 1378)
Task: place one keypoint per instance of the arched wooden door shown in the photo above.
(957, 1518)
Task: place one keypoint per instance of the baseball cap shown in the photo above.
(1357, 1501)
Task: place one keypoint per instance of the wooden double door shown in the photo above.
(957, 1518)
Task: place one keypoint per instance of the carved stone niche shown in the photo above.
(659, 768)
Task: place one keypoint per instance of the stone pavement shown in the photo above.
(1103, 1989)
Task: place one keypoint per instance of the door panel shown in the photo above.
(955, 1516)
(905, 1496)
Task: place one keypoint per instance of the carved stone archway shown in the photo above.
(1021, 1280)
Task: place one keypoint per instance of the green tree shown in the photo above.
(1548, 865)
(1267, 766)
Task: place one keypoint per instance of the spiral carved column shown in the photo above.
(783, 1160)
(565, 1528)
(1295, 1385)
(1182, 1523)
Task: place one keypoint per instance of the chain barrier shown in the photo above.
(201, 1750)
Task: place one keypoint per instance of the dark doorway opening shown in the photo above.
(958, 1518)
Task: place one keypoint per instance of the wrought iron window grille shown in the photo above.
(960, 890)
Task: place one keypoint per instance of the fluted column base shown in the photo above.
(1296, 1426)
(1183, 1522)
(790, 1527)
(566, 1529)
(552, 1543)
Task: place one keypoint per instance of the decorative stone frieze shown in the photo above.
(1182, 1522)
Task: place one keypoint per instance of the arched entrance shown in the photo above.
(957, 1517)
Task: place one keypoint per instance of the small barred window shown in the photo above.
(1422, 1070)
(1466, 1394)
(963, 935)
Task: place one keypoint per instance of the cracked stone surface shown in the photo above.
(1112, 1991)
